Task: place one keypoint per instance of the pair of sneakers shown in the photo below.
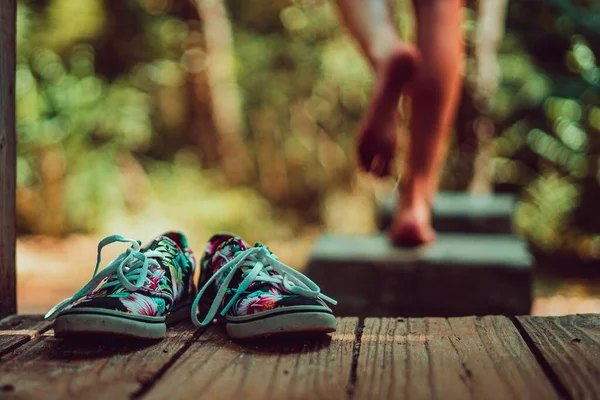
(147, 288)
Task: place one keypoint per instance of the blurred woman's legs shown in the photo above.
(394, 63)
(435, 91)
(435, 74)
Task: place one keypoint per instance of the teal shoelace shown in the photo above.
(259, 262)
(130, 267)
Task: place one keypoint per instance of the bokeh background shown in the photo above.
(140, 116)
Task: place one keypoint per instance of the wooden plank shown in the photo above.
(215, 367)
(50, 368)
(17, 330)
(471, 357)
(8, 158)
(571, 347)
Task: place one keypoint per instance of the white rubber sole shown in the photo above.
(85, 321)
(294, 319)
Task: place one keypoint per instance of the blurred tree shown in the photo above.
(225, 97)
(491, 15)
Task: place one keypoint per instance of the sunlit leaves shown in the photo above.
(571, 134)
(310, 20)
(90, 196)
(67, 115)
(545, 215)
(512, 140)
(566, 108)
(583, 56)
(553, 150)
(81, 60)
(294, 18)
(522, 85)
(129, 126)
(71, 21)
(581, 59)
(594, 118)
(505, 170)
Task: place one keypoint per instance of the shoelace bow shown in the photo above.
(131, 268)
(260, 261)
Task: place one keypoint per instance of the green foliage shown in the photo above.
(547, 109)
(73, 122)
(111, 101)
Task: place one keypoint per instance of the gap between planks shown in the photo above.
(146, 386)
(570, 346)
(544, 364)
(88, 368)
(559, 381)
(293, 367)
(36, 361)
(17, 330)
(452, 357)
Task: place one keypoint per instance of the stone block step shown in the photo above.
(460, 212)
(459, 275)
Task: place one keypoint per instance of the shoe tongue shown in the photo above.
(152, 245)
(230, 248)
(164, 245)
(226, 250)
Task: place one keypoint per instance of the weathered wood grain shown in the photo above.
(215, 367)
(456, 358)
(50, 368)
(8, 158)
(472, 357)
(17, 330)
(571, 347)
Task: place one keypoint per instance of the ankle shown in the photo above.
(414, 194)
(411, 228)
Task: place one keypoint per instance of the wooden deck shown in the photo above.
(471, 357)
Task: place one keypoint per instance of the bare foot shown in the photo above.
(412, 227)
(378, 133)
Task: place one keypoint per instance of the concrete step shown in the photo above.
(460, 212)
(461, 274)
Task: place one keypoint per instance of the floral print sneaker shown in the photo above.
(137, 294)
(255, 293)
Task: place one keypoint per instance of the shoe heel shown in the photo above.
(181, 312)
(203, 308)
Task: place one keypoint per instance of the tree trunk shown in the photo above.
(491, 16)
(8, 158)
(224, 92)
